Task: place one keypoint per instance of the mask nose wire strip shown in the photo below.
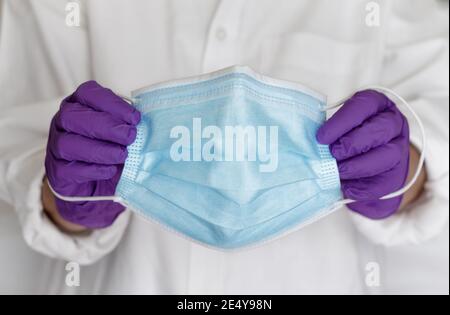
(423, 148)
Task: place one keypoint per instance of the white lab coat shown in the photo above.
(127, 44)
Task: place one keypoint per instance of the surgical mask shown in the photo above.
(229, 159)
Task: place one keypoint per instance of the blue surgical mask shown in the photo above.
(230, 159)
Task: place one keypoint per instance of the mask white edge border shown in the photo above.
(233, 69)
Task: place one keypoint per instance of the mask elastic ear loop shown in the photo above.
(84, 199)
(90, 198)
(129, 100)
(423, 149)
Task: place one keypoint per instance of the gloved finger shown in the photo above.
(101, 99)
(371, 188)
(375, 132)
(73, 147)
(353, 113)
(82, 120)
(60, 171)
(374, 162)
(93, 215)
(376, 209)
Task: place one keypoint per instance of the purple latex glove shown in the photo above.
(86, 151)
(369, 137)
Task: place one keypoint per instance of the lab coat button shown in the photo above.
(221, 34)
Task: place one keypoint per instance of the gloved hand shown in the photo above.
(369, 137)
(86, 151)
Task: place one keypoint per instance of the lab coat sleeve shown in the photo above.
(416, 66)
(41, 59)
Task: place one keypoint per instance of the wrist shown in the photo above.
(51, 210)
(417, 189)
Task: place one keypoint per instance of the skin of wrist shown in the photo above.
(51, 210)
(417, 189)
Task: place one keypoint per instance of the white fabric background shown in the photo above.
(420, 269)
